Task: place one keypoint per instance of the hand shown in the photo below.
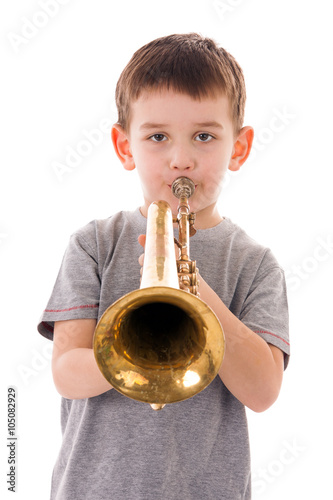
(142, 241)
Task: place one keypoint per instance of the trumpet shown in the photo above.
(162, 344)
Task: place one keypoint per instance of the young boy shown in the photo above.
(181, 108)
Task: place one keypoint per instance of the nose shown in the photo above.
(181, 159)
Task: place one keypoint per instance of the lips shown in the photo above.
(195, 186)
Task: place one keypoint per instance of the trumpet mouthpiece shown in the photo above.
(183, 186)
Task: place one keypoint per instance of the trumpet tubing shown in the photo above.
(160, 344)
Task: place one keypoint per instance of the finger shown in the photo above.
(142, 240)
(177, 252)
(141, 259)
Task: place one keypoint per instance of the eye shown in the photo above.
(204, 137)
(158, 137)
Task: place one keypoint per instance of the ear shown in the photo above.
(242, 148)
(121, 146)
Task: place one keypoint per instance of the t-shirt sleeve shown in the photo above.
(265, 310)
(77, 288)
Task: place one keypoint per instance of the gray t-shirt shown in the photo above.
(120, 449)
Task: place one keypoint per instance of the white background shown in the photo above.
(59, 71)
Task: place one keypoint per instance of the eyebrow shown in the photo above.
(209, 124)
(151, 125)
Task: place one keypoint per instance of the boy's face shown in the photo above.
(172, 135)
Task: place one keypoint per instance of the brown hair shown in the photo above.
(186, 63)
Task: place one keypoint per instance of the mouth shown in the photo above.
(183, 187)
(195, 186)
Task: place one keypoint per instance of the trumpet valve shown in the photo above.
(188, 276)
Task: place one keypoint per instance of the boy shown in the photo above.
(181, 108)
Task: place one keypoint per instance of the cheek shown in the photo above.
(146, 163)
(207, 194)
(212, 190)
(213, 183)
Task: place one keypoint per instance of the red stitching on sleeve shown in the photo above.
(273, 334)
(88, 306)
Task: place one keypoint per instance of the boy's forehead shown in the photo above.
(157, 107)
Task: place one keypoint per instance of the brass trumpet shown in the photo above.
(161, 344)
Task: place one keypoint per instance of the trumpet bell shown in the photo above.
(159, 345)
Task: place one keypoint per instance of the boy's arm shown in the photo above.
(252, 369)
(75, 371)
